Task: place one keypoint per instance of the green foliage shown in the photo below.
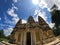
(57, 32)
(55, 17)
(2, 36)
(3, 39)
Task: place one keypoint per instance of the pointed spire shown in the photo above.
(30, 19)
(41, 20)
(19, 22)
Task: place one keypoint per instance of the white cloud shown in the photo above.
(11, 11)
(24, 21)
(57, 3)
(13, 14)
(51, 25)
(4, 25)
(14, 7)
(50, 3)
(42, 4)
(47, 4)
(0, 18)
(10, 26)
(15, 19)
(15, 1)
(10, 22)
(39, 13)
(8, 31)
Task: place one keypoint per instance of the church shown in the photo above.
(32, 33)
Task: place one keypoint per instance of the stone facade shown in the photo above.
(32, 33)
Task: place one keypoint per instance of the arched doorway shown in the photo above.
(28, 38)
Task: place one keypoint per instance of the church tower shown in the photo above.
(32, 33)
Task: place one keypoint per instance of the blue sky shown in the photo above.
(13, 10)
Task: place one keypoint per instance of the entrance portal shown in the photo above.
(28, 38)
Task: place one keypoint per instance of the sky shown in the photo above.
(13, 10)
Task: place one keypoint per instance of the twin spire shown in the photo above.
(31, 20)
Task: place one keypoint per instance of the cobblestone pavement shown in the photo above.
(1, 43)
(55, 42)
(58, 43)
(5, 43)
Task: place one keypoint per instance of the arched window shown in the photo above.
(28, 38)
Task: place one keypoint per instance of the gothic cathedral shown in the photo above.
(32, 33)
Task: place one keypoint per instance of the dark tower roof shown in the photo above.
(41, 20)
(54, 6)
(19, 22)
(30, 19)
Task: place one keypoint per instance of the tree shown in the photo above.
(2, 34)
(56, 19)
